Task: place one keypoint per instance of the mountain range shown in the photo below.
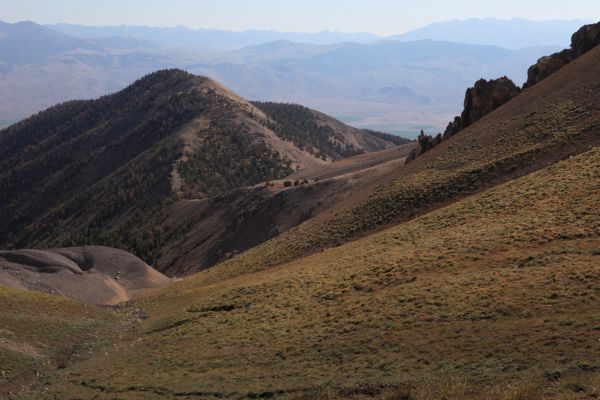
(394, 85)
(513, 34)
(299, 257)
(173, 240)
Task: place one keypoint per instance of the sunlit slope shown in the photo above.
(41, 332)
(499, 287)
(555, 119)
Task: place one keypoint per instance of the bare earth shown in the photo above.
(92, 274)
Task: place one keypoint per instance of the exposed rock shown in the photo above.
(484, 97)
(426, 143)
(411, 156)
(545, 66)
(582, 41)
(585, 39)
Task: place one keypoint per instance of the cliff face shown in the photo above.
(582, 41)
(484, 97)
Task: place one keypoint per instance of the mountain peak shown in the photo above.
(173, 75)
(170, 134)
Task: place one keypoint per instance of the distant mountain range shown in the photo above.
(400, 85)
(210, 38)
(514, 34)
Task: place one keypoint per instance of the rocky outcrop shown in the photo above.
(426, 143)
(582, 41)
(481, 99)
(484, 97)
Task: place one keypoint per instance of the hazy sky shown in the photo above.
(375, 16)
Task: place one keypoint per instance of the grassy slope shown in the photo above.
(39, 332)
(499, 288)
(555, 119)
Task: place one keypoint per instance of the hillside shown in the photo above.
(169, 137)
(555, 119)
(41, 333)
(470, 273)
(494, 296)
(310, 130)
(204, 232)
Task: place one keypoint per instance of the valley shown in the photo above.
(394, 84)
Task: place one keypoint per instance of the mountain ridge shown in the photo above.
(171, 136)
(530, 33)
(544, 124)
(470, 273)
(386, 86)
(512, 33)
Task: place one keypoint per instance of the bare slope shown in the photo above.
(94, 274)
(205, 232)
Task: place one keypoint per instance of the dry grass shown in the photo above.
(495, 296)
(490, 152)
(40, 332)
(498, 292)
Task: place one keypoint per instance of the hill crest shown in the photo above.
(170, 136)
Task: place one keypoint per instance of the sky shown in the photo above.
(383, 17)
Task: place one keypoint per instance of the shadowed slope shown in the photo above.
(205, 232)
(170, 135)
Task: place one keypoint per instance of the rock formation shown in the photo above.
(426, 143)
(484, 97)
(582, 41)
